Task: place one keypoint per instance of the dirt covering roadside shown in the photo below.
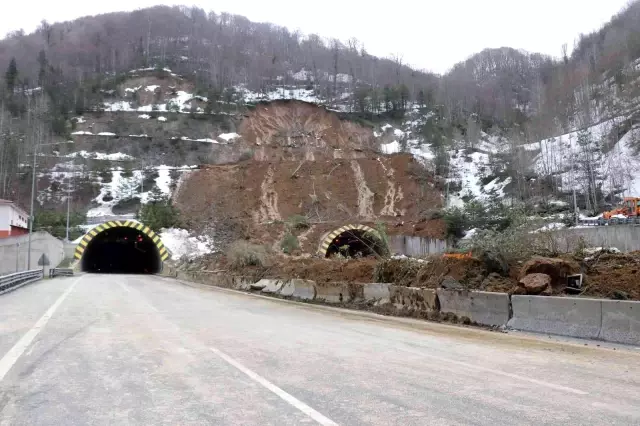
(614, 276)
(611, 276)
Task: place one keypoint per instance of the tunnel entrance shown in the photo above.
(354, 241)
(126, 248)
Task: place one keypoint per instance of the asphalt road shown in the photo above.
(100, 349)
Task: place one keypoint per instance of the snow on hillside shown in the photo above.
(471, 168)
(183, 244)
(122, 187)
(619, 165)
(116, 156)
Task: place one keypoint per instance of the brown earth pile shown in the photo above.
(318, 270)
(614, 276)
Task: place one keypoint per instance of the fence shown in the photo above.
(15, 280)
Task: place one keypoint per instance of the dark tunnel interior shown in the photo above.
(354, 243)
(121, 250)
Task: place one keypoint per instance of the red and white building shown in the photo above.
(13, 220)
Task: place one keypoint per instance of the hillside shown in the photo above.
(145, 105)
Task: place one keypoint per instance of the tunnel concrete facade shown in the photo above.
(134, 226)
(328, 239)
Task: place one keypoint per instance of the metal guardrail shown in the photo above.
(605, 222)
(18, 279)
(60, 272)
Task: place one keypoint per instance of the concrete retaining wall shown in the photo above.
(13, 252)
(416, 246)
(479, 306)
(565, 316)
(624, 237)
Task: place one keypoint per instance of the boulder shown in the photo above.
(557, 269)
(451, 283)
(535, 284)
(495, 263)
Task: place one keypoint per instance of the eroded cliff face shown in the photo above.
(295, 130)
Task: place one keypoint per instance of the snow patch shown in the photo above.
(182, 244)
(228, 136)
(390, 148)
(100, 155)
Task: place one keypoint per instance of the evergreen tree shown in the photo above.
(11, 75)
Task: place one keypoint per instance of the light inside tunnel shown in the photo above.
(121, 250)
(356, 243)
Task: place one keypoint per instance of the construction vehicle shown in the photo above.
(629, 208)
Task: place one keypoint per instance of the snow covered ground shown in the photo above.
(122, 187)
(181, 243)
(472, 168)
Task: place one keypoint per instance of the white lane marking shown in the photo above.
(275, 389)
(18, 349)
(500, 373)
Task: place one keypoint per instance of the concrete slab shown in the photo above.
(564, 316)
(480, 307)
(620, 322)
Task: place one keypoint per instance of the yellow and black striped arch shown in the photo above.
(80, 248)
(326, 242)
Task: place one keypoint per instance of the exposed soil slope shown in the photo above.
(299, 130)
(330, 192)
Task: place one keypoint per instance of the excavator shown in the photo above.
(630, 208)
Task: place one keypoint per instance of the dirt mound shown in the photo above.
(289, 129)
(613, 276)
(469, 272)
(318, 270)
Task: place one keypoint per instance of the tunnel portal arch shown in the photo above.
(140, 243)
(364, 236)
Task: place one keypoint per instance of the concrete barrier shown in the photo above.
(242, 283)
(479, 306)
(377, 293)
(620, 322)
(565, 316)
(333, 292)
(270, 286)
(300, 289)
(414, 298)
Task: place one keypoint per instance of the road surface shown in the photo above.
(116, 349)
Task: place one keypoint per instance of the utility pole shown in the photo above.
(69, 197)
(33, 192)
(68, 207)
(573, 185)
(33, 196)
